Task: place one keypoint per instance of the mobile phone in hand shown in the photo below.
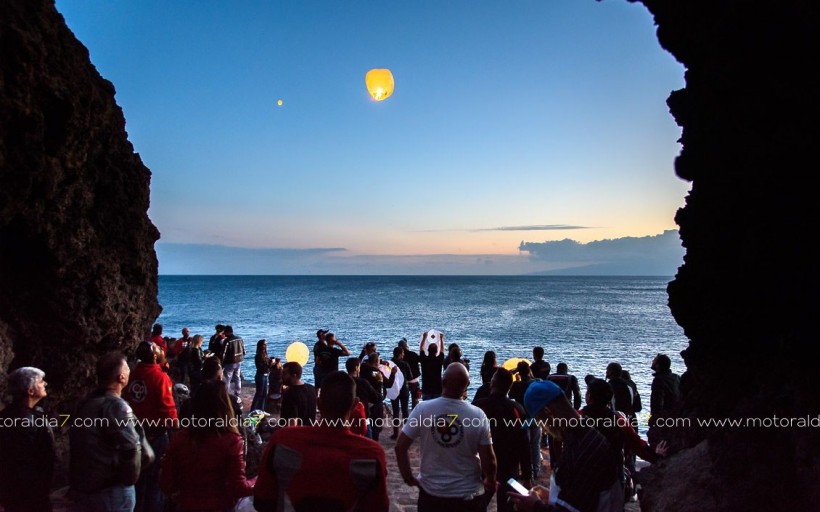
(520, 489)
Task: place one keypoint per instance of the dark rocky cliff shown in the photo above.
(745, 295)
(78, 272)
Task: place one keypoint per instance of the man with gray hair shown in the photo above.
(26, 445)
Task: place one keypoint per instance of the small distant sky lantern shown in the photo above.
(379, 83)
(279, 102)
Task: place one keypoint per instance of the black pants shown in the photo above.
(400, 402)
(430, 503)
(413, 387)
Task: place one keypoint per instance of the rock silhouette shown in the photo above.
(745, 295)
(78, 272)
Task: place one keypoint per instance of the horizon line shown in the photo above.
(414, 275)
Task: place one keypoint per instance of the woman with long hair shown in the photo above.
(488, 366)
(454, 356)
(190, 361)
(263, 364)
(210, 443)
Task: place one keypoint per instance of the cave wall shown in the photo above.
(745, 295)
(78, 272)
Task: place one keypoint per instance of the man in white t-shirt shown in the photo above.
(455, 448)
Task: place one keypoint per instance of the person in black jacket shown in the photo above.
(412, 360)
(326, 354)
(26, 445)
(106, 458)
(371, 372)
(665, 396)
(298, 399)
(510, 442)
(636, 397)
(568, 383)
(431, 362)
(404, 393)
(540, 369)
(216, 345)
(488, 367)
(366, 394)
(263, 364)
(232, 361)
(190, 362)
(622, 399)
(665, 387)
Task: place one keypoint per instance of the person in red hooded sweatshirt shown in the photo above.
(156, 338)
(150, 395)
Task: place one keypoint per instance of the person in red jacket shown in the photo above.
(324, 467)
(181, 344)
(156, 337)
(149, 393)
(213, 447)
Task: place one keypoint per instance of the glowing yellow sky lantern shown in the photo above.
(279, 102)
(512, 362)
(297, 351)
(379, 83)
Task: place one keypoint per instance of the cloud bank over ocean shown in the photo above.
(650, 255)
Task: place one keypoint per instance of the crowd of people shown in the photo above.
(168, 431)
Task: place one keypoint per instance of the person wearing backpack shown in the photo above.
(636, 397)
(233, 355)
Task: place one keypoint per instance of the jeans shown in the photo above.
(119, 498)
(403, 401)
(556, 447)
(376, 420)
(149, 496)
(535, 448)
(261, 392)
(233, 378)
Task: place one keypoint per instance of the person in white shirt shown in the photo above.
(457, 467)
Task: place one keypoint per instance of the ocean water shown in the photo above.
(583, 321)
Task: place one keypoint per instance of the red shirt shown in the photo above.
(358, 420)
(150, 394)
(219, 466)
(320, 460)
(157, 340)
(180, 345)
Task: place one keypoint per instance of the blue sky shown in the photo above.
(504, 115)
